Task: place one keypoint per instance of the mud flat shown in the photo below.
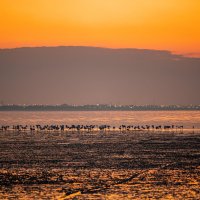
(100, 165)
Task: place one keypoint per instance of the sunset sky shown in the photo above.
(147, 24)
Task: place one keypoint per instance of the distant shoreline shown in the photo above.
(98, 108)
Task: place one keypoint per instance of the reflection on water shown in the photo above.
(100, 165)
(115, 118)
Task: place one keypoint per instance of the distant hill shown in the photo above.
(90, 75)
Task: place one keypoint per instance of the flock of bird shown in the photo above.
(87, 128)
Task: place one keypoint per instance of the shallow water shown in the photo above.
(115, 118)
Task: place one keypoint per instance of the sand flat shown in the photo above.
(100, 165)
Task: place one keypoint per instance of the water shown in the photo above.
(100, 165)
(114, 118)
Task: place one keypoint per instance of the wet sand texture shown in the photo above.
(100, 165)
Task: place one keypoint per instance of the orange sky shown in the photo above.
(151, 24)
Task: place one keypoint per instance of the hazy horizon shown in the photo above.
(104, 47)
(93, 75)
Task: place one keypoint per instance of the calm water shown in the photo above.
(186, 118)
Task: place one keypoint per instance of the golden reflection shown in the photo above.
(129, 165)
(153, 184)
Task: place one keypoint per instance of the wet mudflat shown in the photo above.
(100, 165)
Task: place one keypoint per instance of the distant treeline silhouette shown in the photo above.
(103, 107)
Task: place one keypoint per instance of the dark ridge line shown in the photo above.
(167, 51)
(93, 47)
